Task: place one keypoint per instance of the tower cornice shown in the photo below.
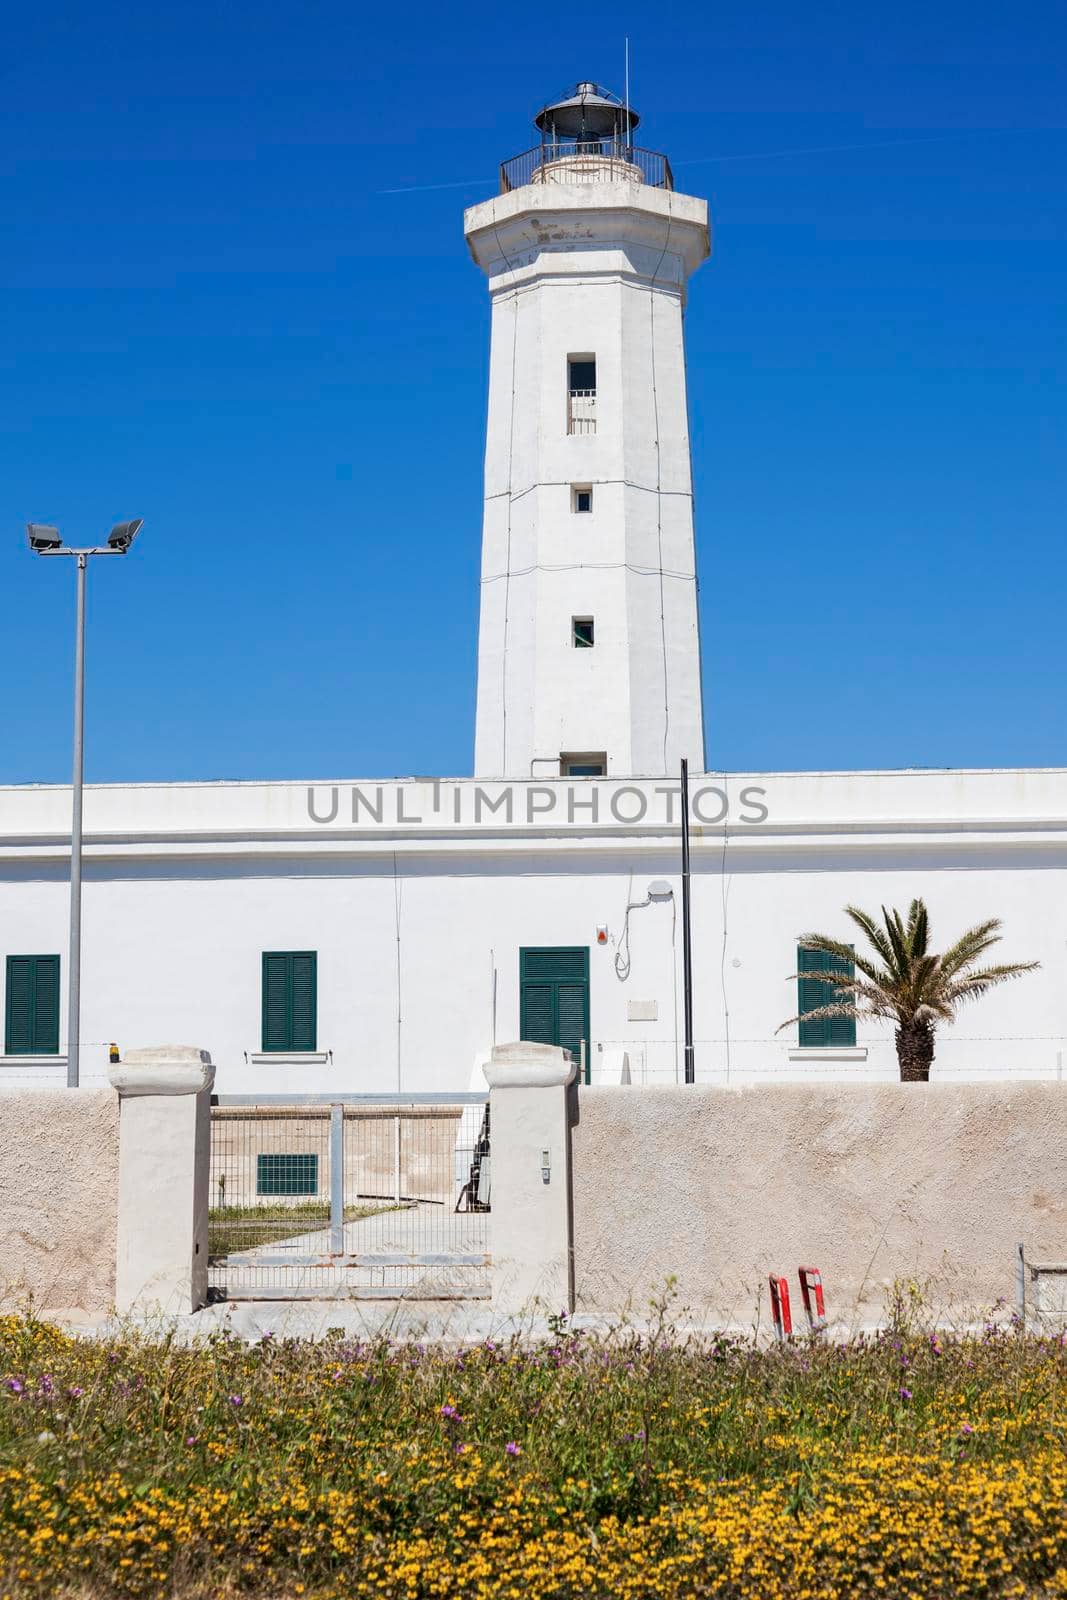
(538, 221)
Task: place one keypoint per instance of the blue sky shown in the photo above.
(212, 317)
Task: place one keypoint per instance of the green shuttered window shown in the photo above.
(826, 1033)
(289, 1000)
(31, 1012)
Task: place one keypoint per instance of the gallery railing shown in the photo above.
(586, 161)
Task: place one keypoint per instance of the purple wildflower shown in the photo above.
(905, 1394)
(15, 1385)
(966, 1429)
(513, 1449)
(236, 1400)
(75, 1391)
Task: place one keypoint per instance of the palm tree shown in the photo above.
(906, 983)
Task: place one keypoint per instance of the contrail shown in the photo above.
(423, 188)
(771, 155)
(833, 149)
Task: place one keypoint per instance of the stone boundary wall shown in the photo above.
(59, 1168)
(933, 1185)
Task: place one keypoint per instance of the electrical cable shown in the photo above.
(622, 954)
(507, 556)
(590, 566)
(565, 483)
(659, 477)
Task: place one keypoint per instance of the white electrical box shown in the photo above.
(643, 1010)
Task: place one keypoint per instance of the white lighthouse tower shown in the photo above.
(588, 653)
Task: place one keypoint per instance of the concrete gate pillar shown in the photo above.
(530, 1220)
(164, 1157)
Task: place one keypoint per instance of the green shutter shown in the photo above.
(556, 966)
(303, 1005)
(537, 1021)
(18, 1033)
(826, 1033)
(46, 1007)
(275, 1002)
(32, 1006)
(289, 1000)
(573, 1007)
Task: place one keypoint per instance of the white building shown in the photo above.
(374, 936)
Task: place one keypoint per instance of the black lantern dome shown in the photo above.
(588, 112)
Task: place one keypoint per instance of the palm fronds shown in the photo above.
(903, 979)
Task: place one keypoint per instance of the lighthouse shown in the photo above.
(588, 647)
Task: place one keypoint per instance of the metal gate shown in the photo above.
(360, 1196)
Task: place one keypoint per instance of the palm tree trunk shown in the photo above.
(915, 1051)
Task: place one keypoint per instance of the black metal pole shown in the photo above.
(687, 935)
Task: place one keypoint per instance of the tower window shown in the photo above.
(587, 764)
(581, 394)
(582, 633)
(581, 497)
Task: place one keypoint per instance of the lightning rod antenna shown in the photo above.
(626, 53)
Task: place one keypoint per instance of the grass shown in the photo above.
(908, 1466)
(232, 1228)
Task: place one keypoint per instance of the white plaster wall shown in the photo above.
(982, 804)
(933, 1185)
(597, 270)
(186, 886)
(59, 1180)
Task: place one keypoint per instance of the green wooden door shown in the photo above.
(554, 998)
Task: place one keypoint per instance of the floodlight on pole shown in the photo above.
(42, 537)
(47, 541)
(123, 534)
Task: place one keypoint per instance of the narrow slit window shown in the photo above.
(581, 497)
(582, 633)
(581, 394)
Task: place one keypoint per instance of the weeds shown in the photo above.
(907, 1465)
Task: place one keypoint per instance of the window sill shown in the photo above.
(289, 1058)
(842, 1053)
(33, 1061)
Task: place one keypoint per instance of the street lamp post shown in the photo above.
(46, 541)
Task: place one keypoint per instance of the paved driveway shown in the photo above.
(423, 1250)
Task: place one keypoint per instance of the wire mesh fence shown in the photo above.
(316, 1197)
